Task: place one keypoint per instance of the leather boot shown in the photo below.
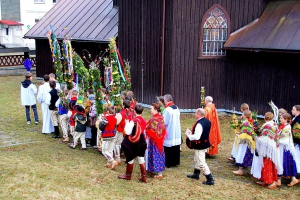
(209, 180)
(143, 173)
(195, 175)
(56, 132)
(127, 176)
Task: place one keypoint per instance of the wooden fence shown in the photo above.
(14, 60)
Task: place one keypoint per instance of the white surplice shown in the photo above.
(41, 97)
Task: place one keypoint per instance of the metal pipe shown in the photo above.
(163, 48)
(142, 51)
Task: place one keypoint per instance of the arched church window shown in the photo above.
(215, 32)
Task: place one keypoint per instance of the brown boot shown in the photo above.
(143, 173)
(127, 176)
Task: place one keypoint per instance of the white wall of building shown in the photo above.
(30, 12)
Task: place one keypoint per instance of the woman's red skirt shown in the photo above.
(269, 172)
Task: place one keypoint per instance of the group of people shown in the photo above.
(156, 143)
(272, 151)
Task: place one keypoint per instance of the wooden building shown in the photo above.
(89, 25)
(177, 46)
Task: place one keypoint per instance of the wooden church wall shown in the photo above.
(258, 78)
(140, 28)
(187, 71)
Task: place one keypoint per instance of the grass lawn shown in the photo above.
(35, 166)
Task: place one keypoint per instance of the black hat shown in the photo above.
(79, 109)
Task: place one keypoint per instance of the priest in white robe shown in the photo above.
(44, 89)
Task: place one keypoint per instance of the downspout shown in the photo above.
(163, 48)
(142, 51)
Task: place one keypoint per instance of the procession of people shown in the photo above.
(272, 151)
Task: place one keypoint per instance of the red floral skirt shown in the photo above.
(268, 172)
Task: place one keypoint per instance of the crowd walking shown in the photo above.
(270, 152)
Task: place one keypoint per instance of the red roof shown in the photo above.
(10, 23)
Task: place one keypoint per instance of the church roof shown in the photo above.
(81, 20)
(277, 29)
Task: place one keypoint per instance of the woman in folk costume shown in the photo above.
(287, 150)
(246, 144)
(266, 162)
(236, 122)
(296, 134)
(156, 132)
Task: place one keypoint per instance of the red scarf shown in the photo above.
(194, 126)
(169, 104)
(156, 130)
(281, 127)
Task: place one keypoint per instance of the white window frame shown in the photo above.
(214, 36)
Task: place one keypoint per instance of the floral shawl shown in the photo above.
(156, 130)
(246, 133)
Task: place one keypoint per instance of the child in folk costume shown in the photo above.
(246, 144)
(62, 104)
(244, 107)
(161, 102)
(80, 127)
(133, 102)
(71, 114)
(134, 144)
(121, 117)
(108, 138)
(90, 111)
(266, 160)
(287, 151)
(99, 136)
(281, 111)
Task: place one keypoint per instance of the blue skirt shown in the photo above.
(156, 158)
(289, 164)
(247, 161)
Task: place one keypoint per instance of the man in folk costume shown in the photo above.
(134, 144)
(215, 133)
(121, 117)
(173, 140)
(44, 89)
(199, 137)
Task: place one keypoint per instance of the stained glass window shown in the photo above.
(215, 30)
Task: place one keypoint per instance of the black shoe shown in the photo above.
(209, 180)
(195, 175)
(56, 132)
(209, 156)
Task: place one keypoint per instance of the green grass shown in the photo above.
(35, 166)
